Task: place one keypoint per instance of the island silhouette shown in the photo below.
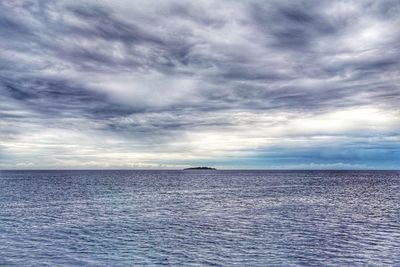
(200, 168)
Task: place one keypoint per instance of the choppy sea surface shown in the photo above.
(200, 218)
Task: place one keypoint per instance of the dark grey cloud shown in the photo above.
(149, 74)
(56, 97)
(295, 26)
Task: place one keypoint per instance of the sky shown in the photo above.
(127, 84)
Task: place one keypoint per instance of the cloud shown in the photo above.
(127, 83)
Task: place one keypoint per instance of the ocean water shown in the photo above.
(200, 218)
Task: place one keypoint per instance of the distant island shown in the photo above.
(200, 168)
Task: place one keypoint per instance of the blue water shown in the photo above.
(199, 218)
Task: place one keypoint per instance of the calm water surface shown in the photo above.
(199, 218)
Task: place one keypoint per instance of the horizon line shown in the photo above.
(149, 169)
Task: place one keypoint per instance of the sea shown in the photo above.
(199, 218)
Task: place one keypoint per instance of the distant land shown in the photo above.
(200, 168)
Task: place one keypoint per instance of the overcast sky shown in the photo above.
(230, 84)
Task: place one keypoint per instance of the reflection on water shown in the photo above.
(223, 218)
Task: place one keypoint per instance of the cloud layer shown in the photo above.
(233, 84)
